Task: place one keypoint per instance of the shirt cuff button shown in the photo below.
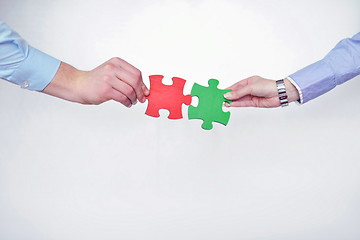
(25, 84)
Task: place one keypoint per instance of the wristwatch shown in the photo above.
(280, 84)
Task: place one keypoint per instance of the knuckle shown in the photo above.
(110, 66)
(255, 78)
(138, 86)
(137, 73)
(137, 76)
(115, 60)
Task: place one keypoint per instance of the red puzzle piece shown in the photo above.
(168, 97)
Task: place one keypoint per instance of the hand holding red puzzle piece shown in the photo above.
(171, 97)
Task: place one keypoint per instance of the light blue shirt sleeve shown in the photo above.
(340, 65)
(22, 64)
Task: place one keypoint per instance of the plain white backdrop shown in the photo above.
(69, 171)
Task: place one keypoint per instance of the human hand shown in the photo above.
(113, 80)
(256, 91)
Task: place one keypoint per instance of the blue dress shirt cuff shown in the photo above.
(36, 71)
(301, 100)
(314, 80)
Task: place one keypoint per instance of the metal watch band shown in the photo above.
(282, 93)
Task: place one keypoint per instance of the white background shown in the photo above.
(69, 171)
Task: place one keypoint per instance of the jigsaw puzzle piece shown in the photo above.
(168, 97)
(209, 109)
(152, 109)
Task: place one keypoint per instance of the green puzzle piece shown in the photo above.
(209, 109)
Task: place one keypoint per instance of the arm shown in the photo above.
(340, 65)
(32, 69)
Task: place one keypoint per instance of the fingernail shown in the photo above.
(134, 102)
(227, 104)
(228, 95)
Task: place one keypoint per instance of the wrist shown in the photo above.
(292, 92)
(65, 83)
